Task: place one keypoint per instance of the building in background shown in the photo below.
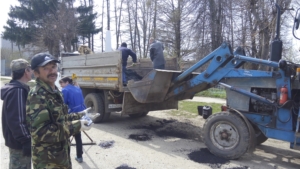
(10, 51)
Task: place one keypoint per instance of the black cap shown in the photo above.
(41, 59)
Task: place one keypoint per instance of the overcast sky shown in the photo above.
(4, 8)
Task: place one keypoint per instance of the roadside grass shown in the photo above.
(213, 92)
(189, 109)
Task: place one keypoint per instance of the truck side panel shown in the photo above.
(100, 70)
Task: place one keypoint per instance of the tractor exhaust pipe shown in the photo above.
(276, 46)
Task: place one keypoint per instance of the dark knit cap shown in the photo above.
(124, 44)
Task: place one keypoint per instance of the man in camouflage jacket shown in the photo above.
(50, 124)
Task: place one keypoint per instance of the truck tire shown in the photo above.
(226, 135)
(96, 102)
(137, 115)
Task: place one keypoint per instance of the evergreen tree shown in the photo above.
(43, 23)
(86, 26)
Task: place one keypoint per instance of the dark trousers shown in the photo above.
(124, 79)
(160, 67)
(78, 140)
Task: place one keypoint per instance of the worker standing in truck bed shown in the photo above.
(125, 54)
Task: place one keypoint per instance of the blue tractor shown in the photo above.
(260, 104)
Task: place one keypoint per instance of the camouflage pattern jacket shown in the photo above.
(50, 126)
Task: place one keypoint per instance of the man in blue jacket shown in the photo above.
(125, 54)
(15, 131)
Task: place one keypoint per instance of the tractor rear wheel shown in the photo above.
(226, 135)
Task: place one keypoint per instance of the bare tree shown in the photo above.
(56, 28)
(118, 21)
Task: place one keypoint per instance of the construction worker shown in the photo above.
(15, 131)
(74, 99)
(157, 54)
(49, 122)
(125, 54)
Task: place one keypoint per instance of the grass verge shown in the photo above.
(212, 92)
(189, 109)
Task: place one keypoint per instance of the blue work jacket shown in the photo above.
(73, 98)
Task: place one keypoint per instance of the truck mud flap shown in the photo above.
(153, 87)
(131, 106)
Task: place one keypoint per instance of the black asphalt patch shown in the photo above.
(172, 132)
(204, 156)
(160, 131)
(242, 167)
(139, 137)
(159, 124)
(106, 144)
(124, 166)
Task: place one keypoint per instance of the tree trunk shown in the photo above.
(177, 29)
(154, 19)
(129, 21)
(102, 20)
(108, 15)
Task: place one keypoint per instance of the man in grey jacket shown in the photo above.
(156, 54)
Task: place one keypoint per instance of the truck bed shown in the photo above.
(104, 70)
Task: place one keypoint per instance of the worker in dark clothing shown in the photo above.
(125, 54)
(15, 131)
(157, 54)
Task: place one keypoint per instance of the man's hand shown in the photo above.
(84, 125)
(26, 149)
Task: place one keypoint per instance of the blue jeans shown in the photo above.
(124, 75)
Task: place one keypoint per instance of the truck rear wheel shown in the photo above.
(96, 102)
(226, 135)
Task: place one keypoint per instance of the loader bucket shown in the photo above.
(153, 87)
